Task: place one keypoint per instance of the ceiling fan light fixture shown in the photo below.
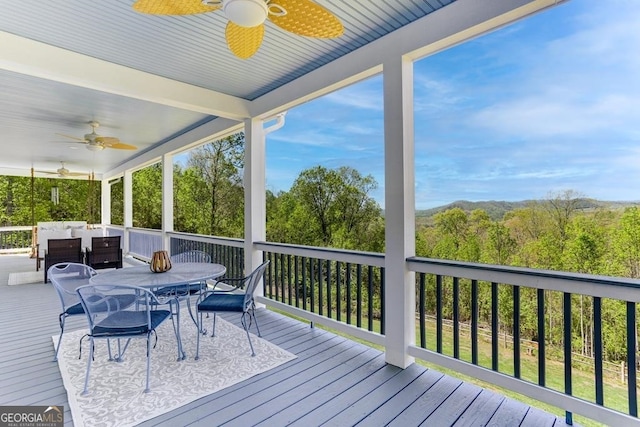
(246, 13)
(95, 147)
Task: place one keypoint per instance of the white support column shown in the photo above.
(399, 210)
(255, 210)
(167, 199)
(127, 195)
(105, 202)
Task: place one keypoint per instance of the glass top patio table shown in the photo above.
(180, 274)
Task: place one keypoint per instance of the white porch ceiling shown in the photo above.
(160, 82)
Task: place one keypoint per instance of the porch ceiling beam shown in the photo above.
(446, 27)
(216, 128)
(41, 60)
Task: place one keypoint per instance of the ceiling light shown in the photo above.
(95, 147)
(246, 13)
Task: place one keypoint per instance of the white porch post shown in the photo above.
(127, 193)
(167, 200)
(399, 210)
(105, 202)
(255, 211)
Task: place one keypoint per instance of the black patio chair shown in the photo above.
(105, 252)
(62, 251)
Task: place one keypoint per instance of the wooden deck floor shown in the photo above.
(333, 382)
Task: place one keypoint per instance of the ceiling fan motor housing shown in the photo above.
(246, 13)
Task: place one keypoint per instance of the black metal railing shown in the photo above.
(227, 253)
(12, 238)
(352, 293)
(481, 322)
(491, 322)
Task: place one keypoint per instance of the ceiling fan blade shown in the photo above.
(307, 18)
(87, 174)
(47, 172)
(122, 146)
(243, 42)
(111, 142)
(172, 7)
(71, 137)
(106, 140)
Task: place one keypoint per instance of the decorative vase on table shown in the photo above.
(160, 262)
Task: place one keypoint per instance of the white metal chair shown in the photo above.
(120, 312)
(184, 292)
(66, 278)
(213, 301)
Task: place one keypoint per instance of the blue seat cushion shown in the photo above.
(222, 302)
(180, 290)
(128, 323)
(75, 309)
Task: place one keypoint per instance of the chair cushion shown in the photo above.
(45, 235)
(86, 235)
(180, 290)
(127, 323)
(74, 309)
(222, 302)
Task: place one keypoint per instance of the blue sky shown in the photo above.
(548, 104)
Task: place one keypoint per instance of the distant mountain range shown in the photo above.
(496, 209)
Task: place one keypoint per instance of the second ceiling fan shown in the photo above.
(62, 172)
(95, 142)
(245, 26)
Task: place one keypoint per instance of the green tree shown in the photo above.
(500, 244)
(76, 201)
(627, 242)
(219, 163)
(335, 209)
(117, 203)
(147, 210)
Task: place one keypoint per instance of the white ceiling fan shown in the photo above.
(95, 142)
(63, 172)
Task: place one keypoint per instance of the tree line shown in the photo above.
(333, 208)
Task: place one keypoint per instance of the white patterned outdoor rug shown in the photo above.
(116, 395)
(26, 277)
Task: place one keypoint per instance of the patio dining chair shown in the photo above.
(190, 288)
(112, 317)
(228, 300)
(66, 278)
(184, 292)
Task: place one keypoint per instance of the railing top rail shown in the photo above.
(368, 258)
(16, 228)
(228, 241)
(143, 230)
(622, 288)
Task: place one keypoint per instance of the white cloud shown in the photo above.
(365, 95)
(551, 102)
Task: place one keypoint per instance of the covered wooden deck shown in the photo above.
(334, 381)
